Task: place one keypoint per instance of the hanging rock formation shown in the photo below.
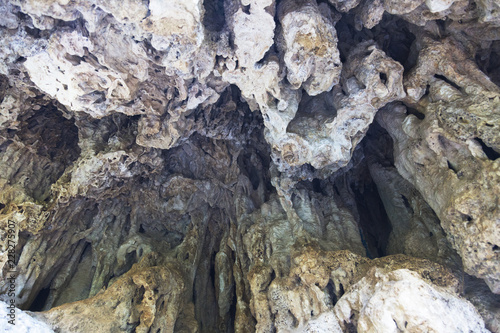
(250, 165)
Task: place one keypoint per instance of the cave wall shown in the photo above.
(251, 166)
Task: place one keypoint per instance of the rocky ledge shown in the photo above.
(250, 165)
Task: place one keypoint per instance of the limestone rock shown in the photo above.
(158, 293)
(488, 304)
(450, 204)
(413, 221)
(252, 26)
(251, 165)
(309, 46)
(399, 300)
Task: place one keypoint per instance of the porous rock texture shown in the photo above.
(250, 165)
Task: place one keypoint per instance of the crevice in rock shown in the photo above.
(38, 303)
(488, 61)
(487, 303)
(39, 152)
(379, 145)
(229, 326)
(394, 37)
(374, 223)
(79, 280)
(4, 85)
(244, 160)
(34, 32)
(452, 167)
(491, 153)
(445, 79)
(407, 205)
(347, 35)
(246, 9)
(130, 259)
(415, 112)
(375, 226)
(78, 24)
(206, 309)
(331, 292)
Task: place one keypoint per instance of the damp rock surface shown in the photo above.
(250, 165)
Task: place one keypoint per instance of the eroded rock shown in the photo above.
(253, 165)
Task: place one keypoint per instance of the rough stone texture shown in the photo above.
(467, 206)
(252, 26)
(309, 46)
(401, 301)
(415, 228)
(251, 166)
(488, 304)
(149, 297)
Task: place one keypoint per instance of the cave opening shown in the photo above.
(40, 300)
(330, 289)
(204, 291)
(415, 112)
(375, 225)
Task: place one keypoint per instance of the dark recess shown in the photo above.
(445, 79)
(250, 170)
(391, 35)
(4, 85)
(488, 60)
(452, 167)
(374, 221)
(383, 78)
(375, 226)
(40, 300)
(214, 18)
(51, 135)
(331, 292)
(378, 145)
(415, 112)
(407, 204)
(316, 184)
(490, 152)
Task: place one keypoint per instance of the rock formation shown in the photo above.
(250, 166)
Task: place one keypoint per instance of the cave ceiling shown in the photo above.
(250, 165)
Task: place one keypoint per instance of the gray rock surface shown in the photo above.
(251, 165)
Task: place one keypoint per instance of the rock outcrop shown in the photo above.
(250, 166)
